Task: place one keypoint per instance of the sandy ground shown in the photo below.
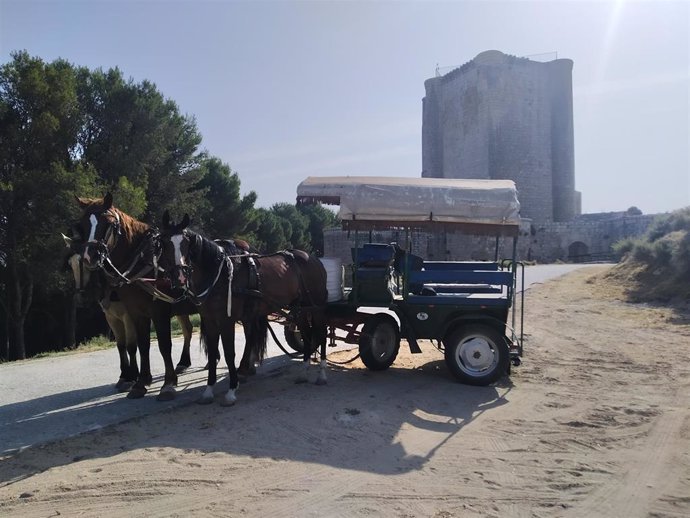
(596, 422)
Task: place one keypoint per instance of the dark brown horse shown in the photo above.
(232, 287)
(123, 248)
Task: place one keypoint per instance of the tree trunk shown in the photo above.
(21, 289)
(17, 343)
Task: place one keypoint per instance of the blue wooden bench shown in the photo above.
(462, 282)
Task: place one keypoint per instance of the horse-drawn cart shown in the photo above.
(469, 308)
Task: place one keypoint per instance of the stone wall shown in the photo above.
(587, 238)
(583, 239)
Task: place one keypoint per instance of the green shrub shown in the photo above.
(665, 252)
(643, 252)
(623, 247)
(662, 251)
(681, 258)
(676, 221)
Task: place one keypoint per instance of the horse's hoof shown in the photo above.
(167, 393)
(123, 385)
(204, 401)
(136, 392)
(181, 368)
(320, 381)
(246, 372)
(228, 402)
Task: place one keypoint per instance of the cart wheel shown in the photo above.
(293, 337)
(379, 342)
(477, 354)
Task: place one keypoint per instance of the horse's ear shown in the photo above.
(185, 221)
(108, 201)
(166, 219)
(83, 202)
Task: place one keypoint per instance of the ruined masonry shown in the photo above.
(504, 117)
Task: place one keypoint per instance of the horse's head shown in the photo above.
(73, 261)
(99, 228)
(175, 248)
(87, 288)
(82, 276)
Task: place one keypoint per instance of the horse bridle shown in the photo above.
(103, 246)
(225, 259)
(187, 269)
(108, 243)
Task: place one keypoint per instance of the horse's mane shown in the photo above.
(205, 252)
(131, 227)
(208, 252)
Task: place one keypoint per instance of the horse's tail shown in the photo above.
(257, 336)
(202, 338)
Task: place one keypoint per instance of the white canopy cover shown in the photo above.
(417, 201)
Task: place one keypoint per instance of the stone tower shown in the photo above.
(503, 117)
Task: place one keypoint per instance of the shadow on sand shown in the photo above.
(277, 419)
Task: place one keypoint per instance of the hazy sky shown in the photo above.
(283, 90)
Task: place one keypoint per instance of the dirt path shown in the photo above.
(596, 422)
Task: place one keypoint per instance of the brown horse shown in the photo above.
(92, 286)
(232, 287)
(123, 248)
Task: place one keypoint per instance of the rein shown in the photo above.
(198, 299)
(225, 260)
(118, 278)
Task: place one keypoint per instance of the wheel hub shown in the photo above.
(382, 342)
(476, 354)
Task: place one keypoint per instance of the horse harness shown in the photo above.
(226, 256)
(131, 275)
(294, 308)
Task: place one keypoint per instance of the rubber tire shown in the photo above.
(379, 342)
(293, 338)
(489, 338)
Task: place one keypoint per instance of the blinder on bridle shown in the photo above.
(194, 244)
(102, 247)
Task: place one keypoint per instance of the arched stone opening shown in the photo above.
(578, 252)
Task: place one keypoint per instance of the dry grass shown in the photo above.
(634, 283)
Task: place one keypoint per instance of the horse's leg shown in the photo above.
(131, 340)
(124, 383)
(256, 335)
(209, 336)
(161, 321)
(305, 331)
(244, 307)
(319, 334)
(210, 356)
(187, 329)
(142, 325)
(247, 362)
(228, 334)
